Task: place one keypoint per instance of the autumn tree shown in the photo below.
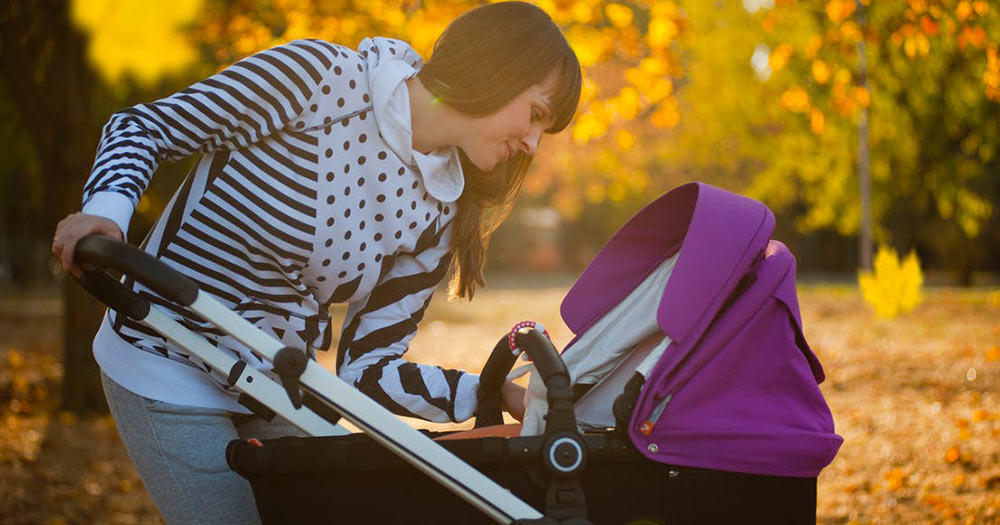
(925, 84)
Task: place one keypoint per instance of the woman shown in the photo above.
(328, 175)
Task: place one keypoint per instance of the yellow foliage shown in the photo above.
(586, 43)
(624, 140)
(619, 15)
(963, 10)
(666, 116)
(587, 127)
(838, 10)
(627, 103)
(814, 45)
(820, 71)
(817, 122)
(843, 76)
(862, 97)
(661, 32)
(136, 37)
(795, 99)
(582, 12)
(779, 58)
(893, 288)
(919, 45)
(849, 31)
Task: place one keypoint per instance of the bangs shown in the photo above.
(566, 93)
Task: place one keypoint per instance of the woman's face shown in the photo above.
(518, 126)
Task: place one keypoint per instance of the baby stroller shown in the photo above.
(707, 413)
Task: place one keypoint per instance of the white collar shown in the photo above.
(440, 169)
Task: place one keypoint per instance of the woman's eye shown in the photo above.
(536, 115)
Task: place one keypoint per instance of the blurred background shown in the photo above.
(861, 123)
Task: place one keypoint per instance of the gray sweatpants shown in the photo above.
(180, 454)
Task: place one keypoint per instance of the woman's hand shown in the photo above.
(512, 399)
(74, 227)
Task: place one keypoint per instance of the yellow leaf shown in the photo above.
(795, 99)
(624, 140)
(963, 10)
(892, 288)
(587, 127)
(820, 71)
(135, 37)
(627, 103)
(619, 15)
(779, 58)
(661, 32)
(838, 10)
(666, 117)
(862, 96)
(816, 121)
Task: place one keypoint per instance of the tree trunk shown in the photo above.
(864, 154)
(44, 66)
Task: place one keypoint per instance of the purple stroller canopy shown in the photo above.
(737, 389)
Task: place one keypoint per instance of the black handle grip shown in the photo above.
(543, 354)
(114, 294)
(491, 380)
(103, 252)
(551, 369)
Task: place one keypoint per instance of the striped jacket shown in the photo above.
(298, 202)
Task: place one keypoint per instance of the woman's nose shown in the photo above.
(529, 142)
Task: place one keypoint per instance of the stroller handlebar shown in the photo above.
(551, 369)
(102, 252)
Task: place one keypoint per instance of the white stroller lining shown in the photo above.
(625, 340)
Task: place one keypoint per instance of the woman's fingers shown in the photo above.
(512, 398)
(74, 227)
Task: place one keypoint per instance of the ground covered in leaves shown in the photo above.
(916, 399)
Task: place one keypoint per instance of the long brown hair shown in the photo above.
(482, 61)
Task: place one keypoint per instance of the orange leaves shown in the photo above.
(839, 10)
(929, 26)
(817, 122)
(820, 71)
(795, 99)
(917, 46)
(895, 479)
(974, 36)
(779, 58)
(952, 455)
(991, 77)
(966, 10)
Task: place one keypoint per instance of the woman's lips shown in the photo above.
(508, 151)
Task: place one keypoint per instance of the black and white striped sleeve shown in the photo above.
(377, 332)
(234, 108)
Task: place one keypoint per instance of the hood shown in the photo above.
(390, 63)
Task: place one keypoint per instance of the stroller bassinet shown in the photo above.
(729, 425)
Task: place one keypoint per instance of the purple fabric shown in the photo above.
(742, 381)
